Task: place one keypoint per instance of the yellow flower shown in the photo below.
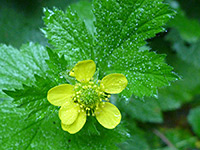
(87, 97)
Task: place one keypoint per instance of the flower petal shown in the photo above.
(114, 83)
(58, 95)
(108, 115)
(68, 112)
(77, 125)
(84, 70)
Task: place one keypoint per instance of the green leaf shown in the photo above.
(194, 121)
(84, 10)
(145, 74)
(189, 29)
(33, 98)
(18, 133)
(14, 132)
(123, 26)
(145, 111)
(121, 29)
(186, 51)
(17, 28)
(137, 139)
(179, 138)
(68, 34)
(31, 120)
(182, 91)
(19, 67)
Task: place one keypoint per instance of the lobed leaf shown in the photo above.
(121, 29)
(68, 34)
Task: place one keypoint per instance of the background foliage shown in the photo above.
(167, 121)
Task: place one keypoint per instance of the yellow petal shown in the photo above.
(108, 115)
(84, 70)
(58, 95)
(77, 125)
(114, 83)
(68, 112)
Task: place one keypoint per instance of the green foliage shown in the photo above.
(35, 119)
(117, 25)
(19, 67)
(84, 10)
(24, 64)
(188, 52)
(21, 21)
(179, 139)
(16, 28)
(194, 121)
(185, 38)
(137, 139)
(116, 41)
(146, 111)
(68, 34)
(189, 29)
(181, 91)
(45, 133)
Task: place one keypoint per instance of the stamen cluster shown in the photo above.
(88, 96)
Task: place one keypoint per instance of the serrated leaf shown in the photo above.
(17, 133)
(68, 34)
(145, 71)
(181, 91)
(120, 24)
(17, 67)
(121, 29)
(33, 120)
(33, 98)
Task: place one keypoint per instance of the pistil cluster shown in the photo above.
(89, 96)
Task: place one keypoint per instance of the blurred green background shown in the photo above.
(170, 122)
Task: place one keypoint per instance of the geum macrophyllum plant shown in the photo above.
(87, 97)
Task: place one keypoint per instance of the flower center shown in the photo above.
(89, 96)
